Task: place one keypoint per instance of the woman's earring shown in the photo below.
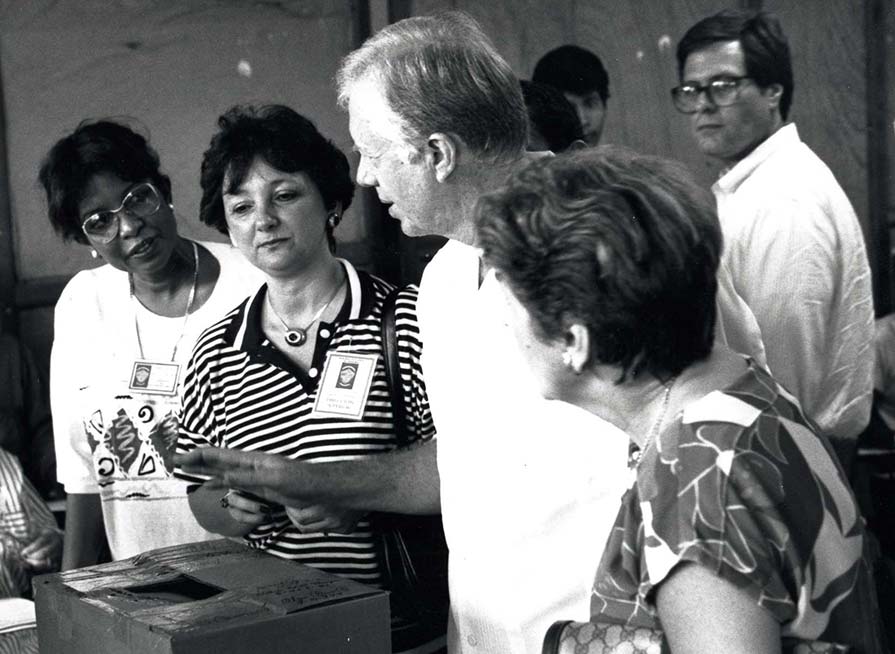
(171, 206)
(94, 254)
(333, 219)
(568, 363)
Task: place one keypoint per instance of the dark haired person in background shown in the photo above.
(583, 80)
(553, 123)
(792, 242)
(144, 309)
(739, 528)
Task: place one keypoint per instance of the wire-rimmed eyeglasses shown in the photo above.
(141, 201)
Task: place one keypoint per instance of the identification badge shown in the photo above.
(154, 377)
(345, 385)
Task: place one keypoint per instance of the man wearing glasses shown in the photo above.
(793, 244)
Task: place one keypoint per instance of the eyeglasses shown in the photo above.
(720, 91)
(141, 201)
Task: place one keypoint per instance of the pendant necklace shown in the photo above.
(635, 455)
(186, 314)
(296, 336)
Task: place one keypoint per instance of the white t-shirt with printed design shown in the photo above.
(110, 439)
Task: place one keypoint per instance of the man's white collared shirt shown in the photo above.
(529, 487)
(796, 254)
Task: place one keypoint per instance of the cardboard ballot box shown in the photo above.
(217, 597)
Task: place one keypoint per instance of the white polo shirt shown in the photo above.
(529, 487)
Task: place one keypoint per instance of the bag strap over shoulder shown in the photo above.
(553, 637)
(392, 368)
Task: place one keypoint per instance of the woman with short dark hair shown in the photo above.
(297, 369)
(739, 528)
(115, 425)
(285, 140)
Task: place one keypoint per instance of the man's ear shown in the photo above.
(442, 151)
(774, 93)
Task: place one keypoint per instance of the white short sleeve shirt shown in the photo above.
(529, 487)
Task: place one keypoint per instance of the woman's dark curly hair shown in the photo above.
(284, 139)
(626, 244)
(94, 148)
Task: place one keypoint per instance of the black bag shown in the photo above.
(413, 550)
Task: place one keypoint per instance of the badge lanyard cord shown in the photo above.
(186, 315)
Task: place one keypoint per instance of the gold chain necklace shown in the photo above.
(636, 455)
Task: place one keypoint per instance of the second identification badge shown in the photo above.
(345, 385)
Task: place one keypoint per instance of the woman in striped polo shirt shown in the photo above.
(296, 370)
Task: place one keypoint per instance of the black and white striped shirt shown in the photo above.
(240, 392)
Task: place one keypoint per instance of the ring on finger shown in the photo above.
(225, 501)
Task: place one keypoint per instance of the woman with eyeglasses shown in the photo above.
(123, 333)
(738, 532)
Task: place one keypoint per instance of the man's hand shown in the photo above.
(402, 481)
(257, 472)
